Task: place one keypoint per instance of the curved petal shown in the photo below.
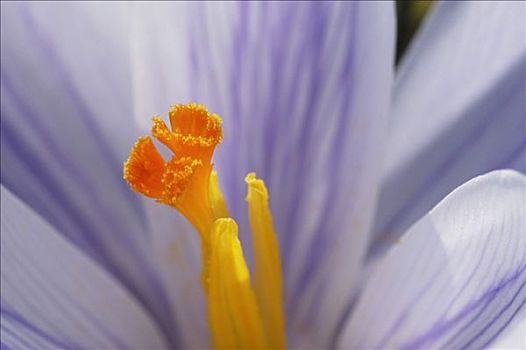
(53, 295)
(66, 129)
(458, 109)
(456, 279)
(303, 89)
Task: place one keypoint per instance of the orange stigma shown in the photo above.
(183, 181)
(195, 132)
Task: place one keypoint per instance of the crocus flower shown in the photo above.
(354, 172)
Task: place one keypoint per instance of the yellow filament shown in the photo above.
(233, 312)
(218, 203)
(268, 280)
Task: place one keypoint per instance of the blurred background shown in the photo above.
(410, 15)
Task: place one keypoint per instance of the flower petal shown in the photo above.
(53, 295)
(514, 336)
(456, 279)
(67, 127)
(303, 89)
(177, 250)
(458, 109)
(17, 333)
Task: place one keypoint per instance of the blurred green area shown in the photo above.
(409, 15)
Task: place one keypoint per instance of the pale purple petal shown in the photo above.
(303, 89)
(456, 279)
(67, 127)
(177, 249)
(459, 108)
(514, 336)
(17, 333)
(55, 296)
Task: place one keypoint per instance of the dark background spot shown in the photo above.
(410, 15)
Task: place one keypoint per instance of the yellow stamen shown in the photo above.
(234, 316)
(268, 280)
(218, 203)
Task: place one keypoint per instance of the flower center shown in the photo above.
(240, 314)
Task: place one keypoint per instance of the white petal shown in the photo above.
(458, 108)
(67, 127)
(456, 279)
(53, 295)
(303, 90)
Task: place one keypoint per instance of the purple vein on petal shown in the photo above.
(480, 313)
(92, 245)
(35, 166)
(50, 54)
(445, 326)
(281, 101)
(278, 102)
(18, 319)
(62, 160)
(509, 320)
(517, 296)
(23, 340)
(434, 276)
(320, 241)
(311, 50)
(483, 256)
(57, 296)
(99, 251)
(403, 315)
(239, 46)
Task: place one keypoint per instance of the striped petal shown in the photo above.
(303, 89)
(54, 296)
(67, 127)
(458, 109)
(457, 278)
